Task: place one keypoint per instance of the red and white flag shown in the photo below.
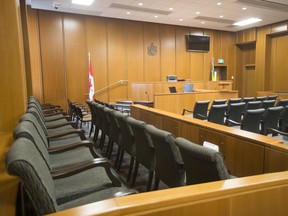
(91, 81)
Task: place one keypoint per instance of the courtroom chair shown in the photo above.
(169, 165)
(104, 124)
(127, 142)
(172, 89)
(267, 103)
(233, 100)
(272, 97)
(83, 118)
(261, 98)
(145, 152)
(200, 109)
(282, 102)
(234, 113)
(217, 113)
(270, 119)
(247, 99)
(188, 87)
(93, 116)
(98, 122)
(251, 120)
(252, 105)
(283, 120)
(219, 102)
(65, 188)
(201, 164)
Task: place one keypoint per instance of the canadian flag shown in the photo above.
(91, 81)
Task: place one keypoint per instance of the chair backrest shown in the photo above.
(251, 120)
(42, 124)
(270, 119)
(23, 160)
(200, 107)
(235, 111)
(247, 99)
(219, 102)
(169, 165)
(217, 113)
(282, 102)
(272, 97)
(145, 152)
(267, 103)
(188, 87)
(283, 120)
(172, 89)
(201, 164)
(127, 137)
(234, 100)
(260, 98)
(253, 105)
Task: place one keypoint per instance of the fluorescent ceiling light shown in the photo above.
(247, 22)
(82, 2)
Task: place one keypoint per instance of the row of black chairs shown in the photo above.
(174, 161)
(57, 166)
(255, 116)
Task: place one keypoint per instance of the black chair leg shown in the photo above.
(156, 184)
(135, 172)
(130, 168)
(110, 142)
(102, 140)
(91, 129)
(150, 179)
(96, 133)
(110, 150)
(120, 160)
(117, 157)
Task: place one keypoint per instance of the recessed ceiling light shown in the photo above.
(140, 3)
(82, 2)
(180, 20)
(244, 8)
(197, 12)
(221, 16)
(156, 16)
(203, 22)
(128, 12)
(219, 3)
(171, 9)
(247, 22)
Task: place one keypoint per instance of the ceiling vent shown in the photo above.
(140, 9)
(270, 5)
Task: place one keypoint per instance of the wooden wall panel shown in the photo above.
(182, 56)
(52, 56)
(207, 62)
(35, 61)
(151, 63)
(281, 64)
(135, 52)
(76, 58)
(96, 42)
(168, 44)
(116, 33)
(196, 66)
(230, 59)
(13, 96)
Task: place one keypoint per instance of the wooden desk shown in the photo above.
(176, 102)
(245, 153)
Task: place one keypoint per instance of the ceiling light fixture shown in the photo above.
(247, 22)
(140, 3)
(197, 12)
(171, 9)
(221, 16)
(128, 12)
(180, 20)
(83, 2)
(219, 3)
(244, 8)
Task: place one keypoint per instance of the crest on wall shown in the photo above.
(152, 50)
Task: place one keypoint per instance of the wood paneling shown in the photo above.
(116, 34)
(96, 42)
(182, 55)
(135, 54)
(52, 56)
(151, 62)
(168, 46)
(34, 46)
(75, 53)
(13, 95)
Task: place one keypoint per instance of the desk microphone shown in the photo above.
(147, 95)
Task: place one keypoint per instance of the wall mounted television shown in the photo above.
(198, 43)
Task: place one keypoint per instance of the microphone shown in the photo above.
(147, 95)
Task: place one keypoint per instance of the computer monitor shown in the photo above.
(172, 89)
(188, 87)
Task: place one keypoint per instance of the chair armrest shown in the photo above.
(63, 124)
(68, 132)
(54, 113)
(67, 171)
(58, 118)
(71, 146)
(232, 122)
(126, 193)
(274, 131)
(202, 116)
(52, 110)
(186, 110)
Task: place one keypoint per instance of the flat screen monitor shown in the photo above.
(198, 43)
(172, 89)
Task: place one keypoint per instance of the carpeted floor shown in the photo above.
(142, 176)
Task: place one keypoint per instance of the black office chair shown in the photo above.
(169, 165)
(248, 99)
(200, 109)
(283, 120)
(267, 103)
(219, 102)
(201, 164)
(252, 105)
(251, 120)
(234, 113)
(233, 100)
(270, 119)
(217, 113)
(145, 151)
(282, 102)
(260, 98)
(272, 97)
